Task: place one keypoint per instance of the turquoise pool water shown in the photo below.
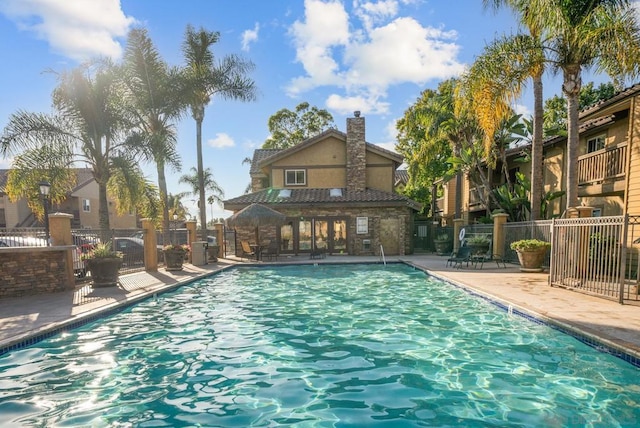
(316, 346)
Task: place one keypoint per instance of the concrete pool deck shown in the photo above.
(616, 325)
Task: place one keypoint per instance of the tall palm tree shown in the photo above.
(89, 126)
(204, 78)
(580, 34)
(496, 79)
(155, 105)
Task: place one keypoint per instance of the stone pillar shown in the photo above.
(219, 228)
(150, 246)
(60, 233)
(585, 212)
(457, 226)
(191, 231)
(499, 221)
(356, 154)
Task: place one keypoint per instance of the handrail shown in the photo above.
(382, 255)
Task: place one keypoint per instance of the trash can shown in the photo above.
(199, 253)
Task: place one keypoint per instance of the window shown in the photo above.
(295, 177)
(595, 143)
(362, 225)
(86, 205)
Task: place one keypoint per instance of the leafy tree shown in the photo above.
(89, 125)
(204, 78)
(289, 128)
(555, 108)
(155, 104)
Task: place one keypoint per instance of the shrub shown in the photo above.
(443, 237)
(530, 245)
(176, 247)
(101, 250)
(478, 240)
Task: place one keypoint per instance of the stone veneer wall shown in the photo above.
(356, 154)
(28, 271)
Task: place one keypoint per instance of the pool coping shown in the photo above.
(596, 341)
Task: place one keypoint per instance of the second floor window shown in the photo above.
(595, 143)
(295, 177)
(86, 205)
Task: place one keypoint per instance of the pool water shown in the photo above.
(316, 346)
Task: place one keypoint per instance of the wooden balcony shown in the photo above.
(608, 164)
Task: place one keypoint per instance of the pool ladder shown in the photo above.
(382, 255)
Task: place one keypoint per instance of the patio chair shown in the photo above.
(463, 255)
(247, 252)
(271, 251)
(487, 257)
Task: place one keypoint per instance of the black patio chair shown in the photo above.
(463, 255)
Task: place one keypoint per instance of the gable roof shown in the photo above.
(267, 156)
(625, 93)
(271, 197)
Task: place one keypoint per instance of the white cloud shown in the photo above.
(221, 141)
(523, 110)
(349, 104)
(390, 130)
(250, 36)
(5, 163)
(365, 61)
(74, 28)
(391, 146)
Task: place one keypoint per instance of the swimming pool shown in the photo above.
(326, 345)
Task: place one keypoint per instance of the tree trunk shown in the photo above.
(162, 184)
(571, 89)
(202, 202)
(537, 162)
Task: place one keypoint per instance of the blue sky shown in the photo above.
(372, 56)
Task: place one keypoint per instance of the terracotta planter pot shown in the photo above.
(531, 261)
(173, 259)
(104, 271)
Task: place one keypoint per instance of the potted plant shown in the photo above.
(104, 264)
(442, 244)
(531, 253)
(479, 244)
(174, 255)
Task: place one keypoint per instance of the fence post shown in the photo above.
(191, 231)
(457, 226)
(150, 245)
(60, 233)
(498, 234)
(623, 256)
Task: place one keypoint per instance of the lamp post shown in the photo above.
(175, 226)
(45, 187)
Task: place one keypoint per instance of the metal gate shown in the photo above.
(592, 255)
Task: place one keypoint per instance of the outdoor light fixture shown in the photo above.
(45, 187)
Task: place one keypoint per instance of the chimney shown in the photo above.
(356, 154)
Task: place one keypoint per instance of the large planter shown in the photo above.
(478, 249)
(104, 271)
(531, 260)
(173, 259)
(442, 247)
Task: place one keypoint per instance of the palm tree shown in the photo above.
(210, 185)
(203, 79)
(579, 35)
(496, 79)
(89, 127)
(155, 104)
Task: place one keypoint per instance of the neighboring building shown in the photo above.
(608, 165)
(337, 192)
(82, 203)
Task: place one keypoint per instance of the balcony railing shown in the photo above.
(475, 195)
(606, 164)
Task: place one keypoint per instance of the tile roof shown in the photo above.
(271, 196)
(258, 156)
(627, 92)
(402, 176)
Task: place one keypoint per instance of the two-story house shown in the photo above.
(337, 192)
(81, 202)
(608, 164)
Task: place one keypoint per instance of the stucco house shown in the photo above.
(81, 202)
(337, 192)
